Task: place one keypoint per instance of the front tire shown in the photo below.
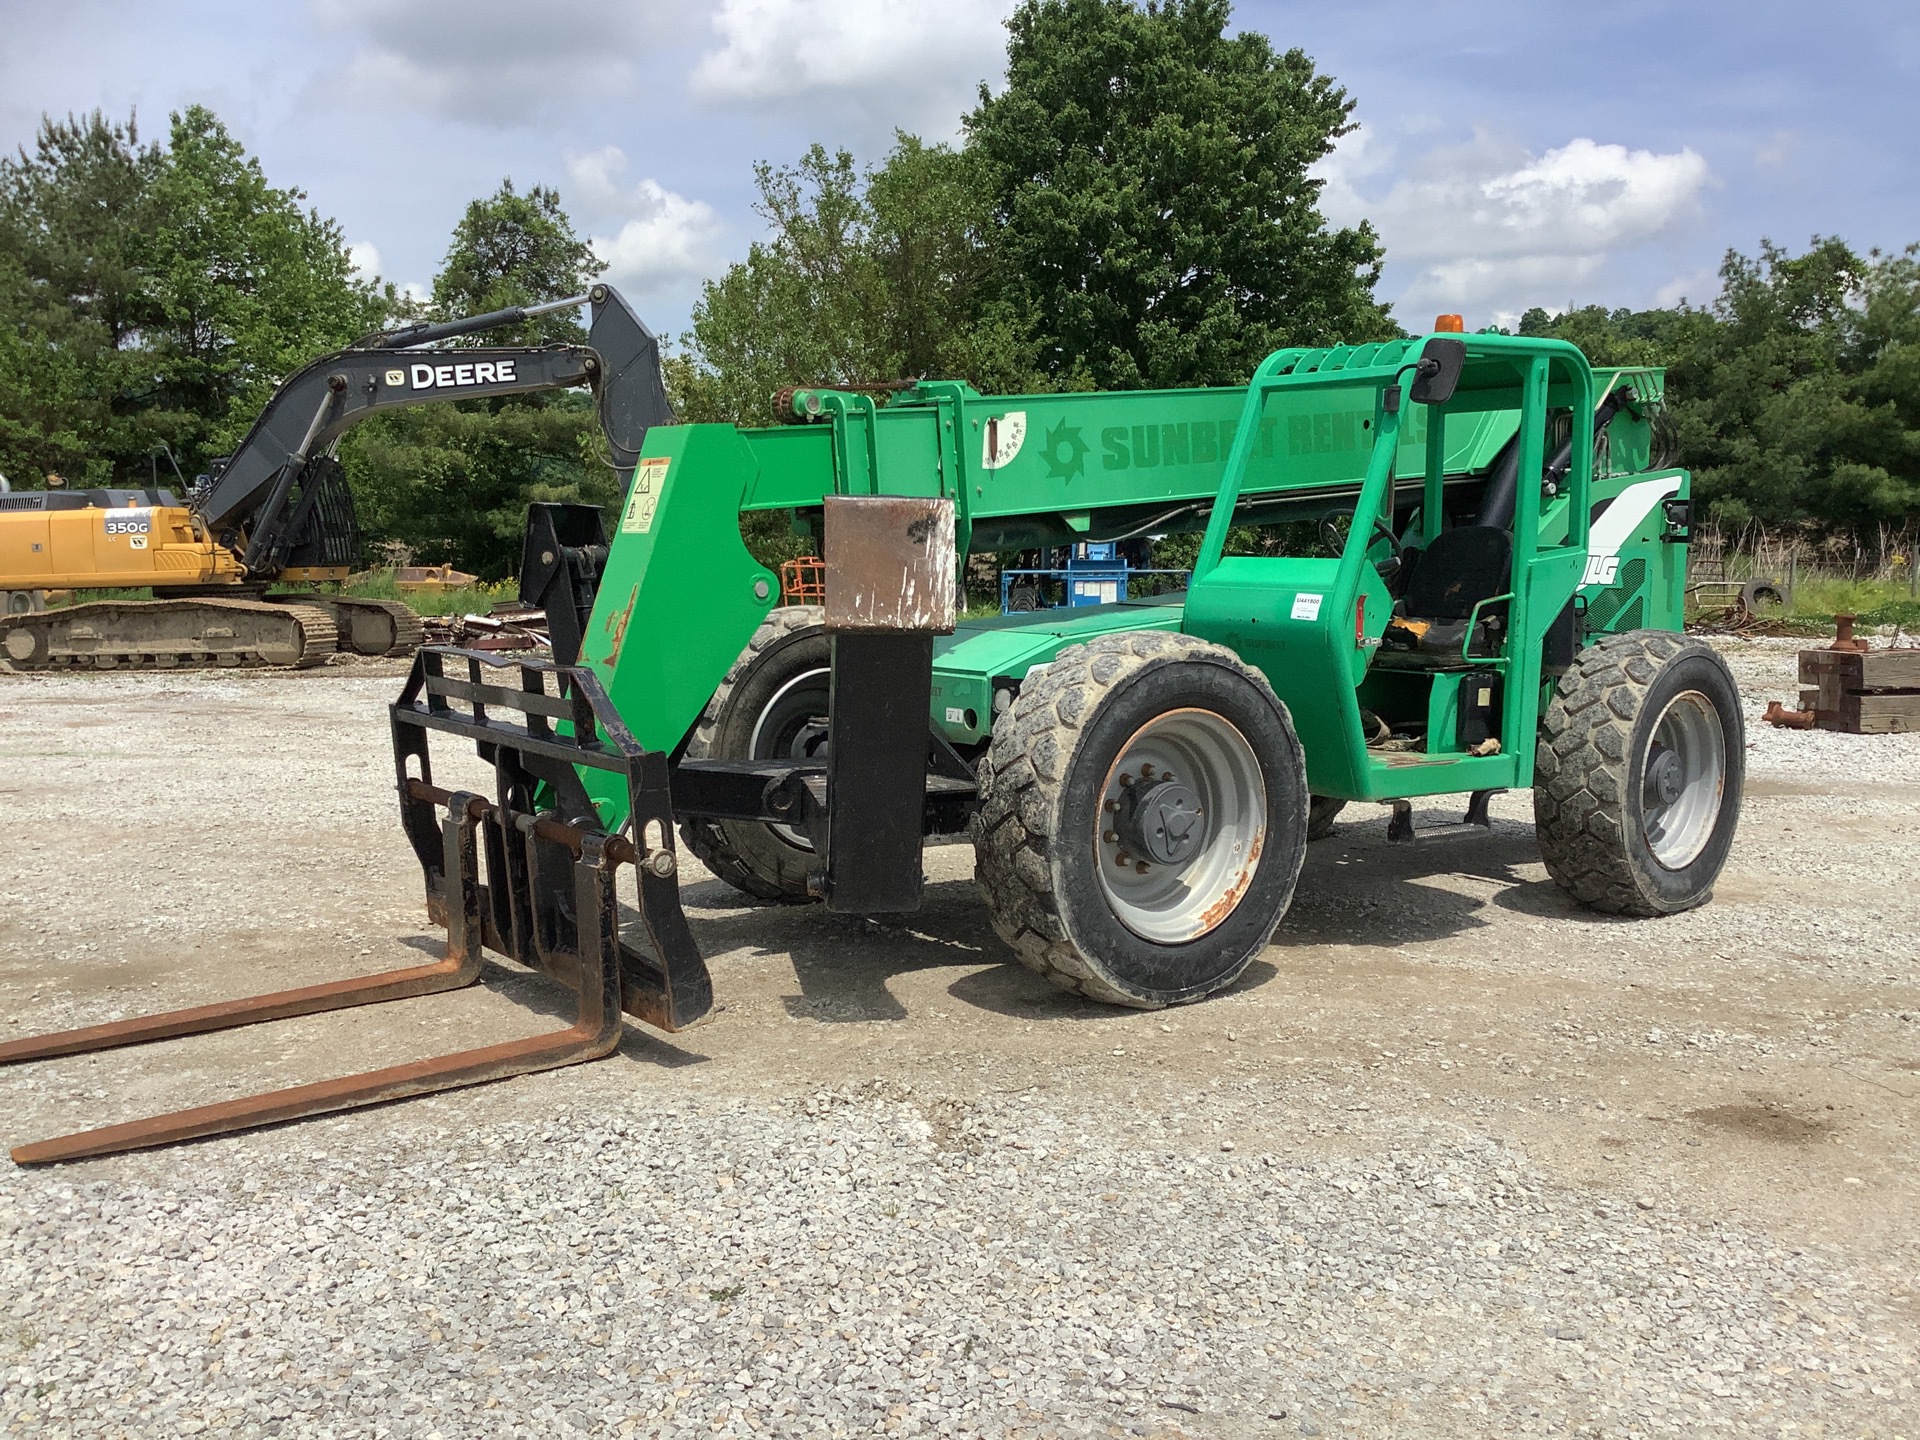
(1143, 819)
(1638, 774)
(772, 705)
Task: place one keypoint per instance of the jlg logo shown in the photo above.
(481, 372)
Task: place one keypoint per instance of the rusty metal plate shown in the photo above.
(890, 563)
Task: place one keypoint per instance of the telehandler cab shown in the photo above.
(1492, 603)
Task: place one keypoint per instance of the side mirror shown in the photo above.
(1434, 378)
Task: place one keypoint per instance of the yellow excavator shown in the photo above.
(278, 509)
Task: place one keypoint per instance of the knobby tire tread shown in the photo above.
(1021, 777)
(1581, 807)
(706, 838)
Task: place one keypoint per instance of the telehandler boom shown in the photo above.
(1488, 598)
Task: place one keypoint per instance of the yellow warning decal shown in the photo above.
(648, 481)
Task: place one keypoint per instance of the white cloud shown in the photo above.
(1698, 288)
(1490, 228)
(498, 61)
(662, 244)
(886, 63)
(364, 257)
(1778, 152)
(902, 62)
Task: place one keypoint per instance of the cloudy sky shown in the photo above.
(1511, 152)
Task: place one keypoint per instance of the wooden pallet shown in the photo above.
(1876, 692)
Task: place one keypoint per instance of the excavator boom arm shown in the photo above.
(313, 409)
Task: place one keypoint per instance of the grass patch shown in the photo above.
(1818, 598)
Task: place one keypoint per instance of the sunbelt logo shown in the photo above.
(446, 377)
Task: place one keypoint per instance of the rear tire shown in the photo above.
(765, 709)
(1173, 714)
(1320, 816)
(1638, 774)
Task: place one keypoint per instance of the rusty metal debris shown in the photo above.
(507, 626)
(1737, 620)
(1778, 714)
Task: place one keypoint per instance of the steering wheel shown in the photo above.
(1334, 537)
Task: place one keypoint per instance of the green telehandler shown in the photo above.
(1447, 565)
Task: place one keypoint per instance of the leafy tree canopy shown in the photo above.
(154, 295)
(1134, 208)
(512, 249)
(1155, 215)
(1795, 397)
(865, 277)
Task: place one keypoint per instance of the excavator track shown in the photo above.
(366, 627)
(169, 635)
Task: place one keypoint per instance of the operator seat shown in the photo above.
(1462, 568)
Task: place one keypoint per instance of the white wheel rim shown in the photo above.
(1683, 780)
(1174, 901)
(783, 742)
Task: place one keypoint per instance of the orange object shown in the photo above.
(803, 581)
(1844, 638)
(1778, 714)
(1449, 325)
(410, 579)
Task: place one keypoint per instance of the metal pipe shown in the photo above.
(620, 850)
(425, 333)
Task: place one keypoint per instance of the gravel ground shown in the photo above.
(1454, 1160)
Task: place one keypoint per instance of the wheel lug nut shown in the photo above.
(1109, 837)
(1113, 805)
(1140, 867)
(1126, 780)
(1146, 772)
(1123, 859)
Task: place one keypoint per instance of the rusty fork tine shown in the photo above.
(421, 1077)
(595, 1033)
(461, 967)
(449, 974)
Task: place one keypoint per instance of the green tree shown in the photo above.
(246, 286)
(1133, 209)
(451, 481)
(1622, 336)
(512, 249)
(154, 295)
(74, 213)
(865, 277)
(1795, 396)
(1156, 218)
